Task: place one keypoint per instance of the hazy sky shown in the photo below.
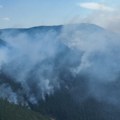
(27, 13)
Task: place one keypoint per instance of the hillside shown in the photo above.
(68, 72)
(13, 112)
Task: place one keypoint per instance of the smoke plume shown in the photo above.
(35, 64)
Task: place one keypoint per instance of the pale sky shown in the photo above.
(28, 13)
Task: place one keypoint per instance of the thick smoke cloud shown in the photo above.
(100, 60)
(26, 63)
(33, 66)
(99, 54)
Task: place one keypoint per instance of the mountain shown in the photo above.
(10, 111)
(66, 72)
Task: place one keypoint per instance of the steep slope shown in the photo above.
(68, 72)
(14, 112)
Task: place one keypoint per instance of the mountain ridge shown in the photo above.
(53, 71)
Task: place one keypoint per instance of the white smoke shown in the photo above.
(24, 55)
(8, 94)
(100, 59)
(39, 63)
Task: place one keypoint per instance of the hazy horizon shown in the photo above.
(26, 13)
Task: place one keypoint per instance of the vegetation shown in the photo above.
(10, 111)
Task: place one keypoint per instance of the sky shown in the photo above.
(28, 13)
